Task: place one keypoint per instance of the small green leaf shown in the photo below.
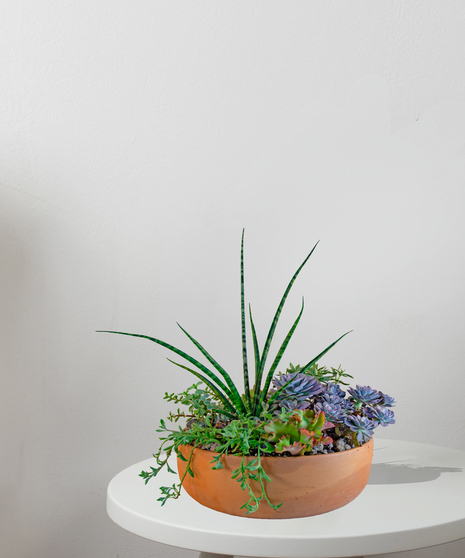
(253, 465)
(265, 476)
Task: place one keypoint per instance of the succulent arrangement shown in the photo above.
(303, 411)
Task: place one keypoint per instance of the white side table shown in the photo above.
(415, 498)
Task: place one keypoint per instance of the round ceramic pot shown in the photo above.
(307, 485)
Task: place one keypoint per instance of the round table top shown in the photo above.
(415, 498)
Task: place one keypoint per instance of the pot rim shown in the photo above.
(318, 455)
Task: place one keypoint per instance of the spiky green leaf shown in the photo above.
(232, 413)
(255, 345)
(244, 334)
(274, 323)
(317, 358)
(182, 354)
(269, 377)
(235, 396)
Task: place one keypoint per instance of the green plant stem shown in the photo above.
(244, 333)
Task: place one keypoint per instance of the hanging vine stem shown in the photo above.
(253, 471)
(174, 491)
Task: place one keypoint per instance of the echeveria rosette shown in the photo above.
(331, 405)
(382, 415)
(300, 386)
(361, 426)
(334, 389)
(294, 404)
(386, 400)
(364, 395)
(347, 406)
(297, 393)
(334, 413)
(329, 398)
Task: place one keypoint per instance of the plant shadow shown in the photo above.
(397, 472)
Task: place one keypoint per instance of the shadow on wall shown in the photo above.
(16, 227)
(56, 405)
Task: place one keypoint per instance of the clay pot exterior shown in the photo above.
(307, 485)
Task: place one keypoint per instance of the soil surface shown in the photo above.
(339, 444)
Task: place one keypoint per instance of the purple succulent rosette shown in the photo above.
(333, 412)
(362, 426)
(334, 389)
(294, 404)
(386, 400)
(329, 398)
(354, 413)
(298, 391)
(347, 406)
(364, 395)
(382, 415)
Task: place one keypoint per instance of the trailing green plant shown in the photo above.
(300, 412)
(243, 436)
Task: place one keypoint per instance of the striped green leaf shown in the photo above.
(317, 358)
(244, 334)
(182, 354)
(236, 398)
(231, 412)
(272, 370)
(269, 338)
(255, 344)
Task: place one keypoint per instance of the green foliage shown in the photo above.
(226, 422)
(298, 433)
(222, 388)
(253, 471)
(322, 374)
(295, 432)
(200, 402)
(244, 436)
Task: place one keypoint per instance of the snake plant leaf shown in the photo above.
(274, 323)
(317, 358)
(182, 354)
(255, 343)
(236, 398)
(244, 334)
(263, 393)
(231, 413)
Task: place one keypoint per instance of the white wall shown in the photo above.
(137, 139)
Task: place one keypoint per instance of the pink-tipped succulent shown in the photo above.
(299, 433)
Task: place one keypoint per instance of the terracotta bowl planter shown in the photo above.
(308, 485)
